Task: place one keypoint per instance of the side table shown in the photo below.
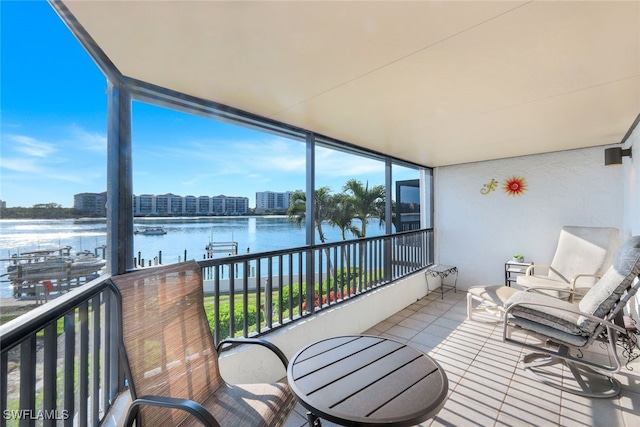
(442, 271)
(363, 380)
(513, 269)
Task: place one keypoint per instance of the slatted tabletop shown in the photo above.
(367, 380)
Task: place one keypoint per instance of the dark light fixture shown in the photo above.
(613, 156)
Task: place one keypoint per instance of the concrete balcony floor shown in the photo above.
(487, 386)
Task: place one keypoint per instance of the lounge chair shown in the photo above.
(566, 329)
(582, 255)
(172, 362)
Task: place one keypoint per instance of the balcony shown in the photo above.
(492, 118)
(63, 356)
(486, 383)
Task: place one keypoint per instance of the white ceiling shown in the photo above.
(432, 82)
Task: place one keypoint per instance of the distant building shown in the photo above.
(166, 204)
(92, 204)
(270, 201)
(3, 204)
(172, 204)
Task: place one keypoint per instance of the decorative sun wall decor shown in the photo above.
(515, 186)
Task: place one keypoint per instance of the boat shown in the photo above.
(29, 268)
(151, 231)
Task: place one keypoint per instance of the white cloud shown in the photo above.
(331, 163)
(31, 146)
(92, 141)
(37, 170)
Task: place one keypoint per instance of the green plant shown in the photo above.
(238, 321)
(518, 256)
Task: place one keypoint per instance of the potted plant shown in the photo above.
(518, 258)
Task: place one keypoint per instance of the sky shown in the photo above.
(53, 111)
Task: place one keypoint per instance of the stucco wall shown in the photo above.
(479, 232)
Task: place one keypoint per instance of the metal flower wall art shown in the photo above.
(514, 186)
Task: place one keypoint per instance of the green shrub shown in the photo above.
(295, 291)
(238, 320)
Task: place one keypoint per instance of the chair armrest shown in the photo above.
(194, 408)
(529, 270)
(231, 341)
(537, 289)
(575, 278)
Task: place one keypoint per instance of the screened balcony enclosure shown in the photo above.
(438, 96)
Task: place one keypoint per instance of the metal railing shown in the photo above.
(256, 293)
(60, 365)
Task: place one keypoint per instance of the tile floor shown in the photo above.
(487, 386)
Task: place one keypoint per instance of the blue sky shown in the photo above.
(53, 131)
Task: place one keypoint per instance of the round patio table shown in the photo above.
(367, 380)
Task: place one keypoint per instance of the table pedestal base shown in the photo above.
(313, 420)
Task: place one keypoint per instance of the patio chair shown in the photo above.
(582, 255)
(566, 330)
(172, 362)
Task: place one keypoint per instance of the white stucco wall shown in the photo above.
(478, 233)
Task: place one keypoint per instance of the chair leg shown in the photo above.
(590, 383)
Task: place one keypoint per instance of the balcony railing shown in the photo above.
(60, 364)
(264, 291)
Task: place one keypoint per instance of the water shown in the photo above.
(255, 234)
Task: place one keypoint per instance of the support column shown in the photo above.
(119, 180)
(388, 221)
(310, 217)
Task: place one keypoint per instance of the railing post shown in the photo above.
(310, 278)
(28, 378)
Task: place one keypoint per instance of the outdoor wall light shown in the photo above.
(613, 156)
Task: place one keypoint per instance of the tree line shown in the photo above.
(40, 211)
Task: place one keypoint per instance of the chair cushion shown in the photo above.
(544, 282)
(553, 314)
(553, 334)
(496, 294)
(603, 296)
(583, 250)
(249, 405)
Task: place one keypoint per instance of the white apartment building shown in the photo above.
(91, 203)
(172, 204)
(272, 201)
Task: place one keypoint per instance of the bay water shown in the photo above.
(190, 235)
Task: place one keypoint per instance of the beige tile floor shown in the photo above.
(487, 386)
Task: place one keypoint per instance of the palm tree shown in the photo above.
(342, 215)
(367, 203)
(322, 209)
